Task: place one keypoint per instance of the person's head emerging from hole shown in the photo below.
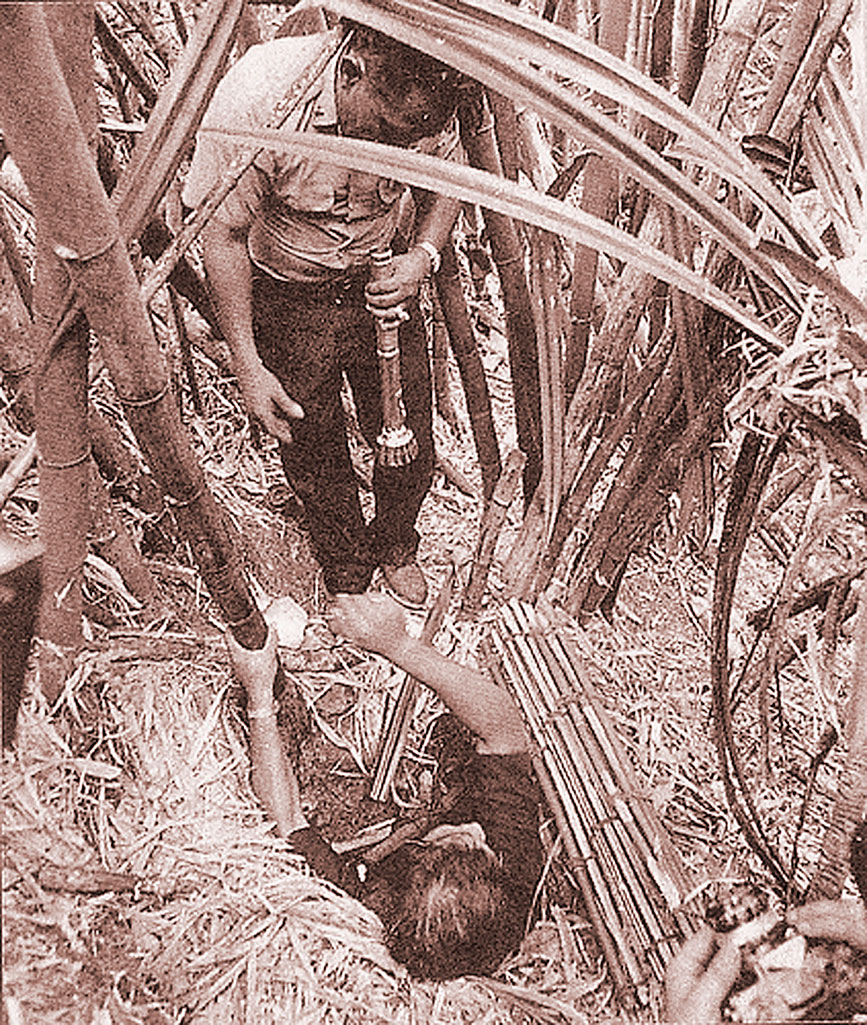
(390, 93)
(445, 905)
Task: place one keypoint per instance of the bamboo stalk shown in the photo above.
(397, 726)
(550, 318)
(477, 135)
(792, 53)
(647, 503)
(114, 51)
(440, 367)
(814, 59)
(573, 507)
(598, 197)
(492, 522)
(85, 230)
(647, 443)
(60, 389)
(463, 342)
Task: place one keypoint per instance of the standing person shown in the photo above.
(288, 256)
(457, 901)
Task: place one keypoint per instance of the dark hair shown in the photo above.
(445, 910)
(421, 86)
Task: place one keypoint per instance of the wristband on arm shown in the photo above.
(433, 253)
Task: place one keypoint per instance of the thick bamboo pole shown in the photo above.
(84, 230)
(60, 392)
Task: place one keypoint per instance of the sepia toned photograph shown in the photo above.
(433, 512)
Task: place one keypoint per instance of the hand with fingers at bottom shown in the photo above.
(699, 978)
(267, 401)
(373, 621)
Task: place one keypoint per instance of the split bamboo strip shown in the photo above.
(466, 351)
(599, 896)
(636, 879)
(397, 727)
(492, 523)
(17, 469)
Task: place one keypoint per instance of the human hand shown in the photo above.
(373, 621)
(256, 668)
(406, 273)
(844, 921)
(266, 400)
(699, 978)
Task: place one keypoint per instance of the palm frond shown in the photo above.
(525, 204)
(501, 47)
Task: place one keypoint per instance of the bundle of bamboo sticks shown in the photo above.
(632, 880)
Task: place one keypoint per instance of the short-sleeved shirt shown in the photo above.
(501, 795)
(297, 208)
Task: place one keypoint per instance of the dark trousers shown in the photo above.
(308, 335)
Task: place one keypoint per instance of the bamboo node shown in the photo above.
(152, 400)
(69, 255)
(77, 461)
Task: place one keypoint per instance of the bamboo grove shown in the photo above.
(662, 288)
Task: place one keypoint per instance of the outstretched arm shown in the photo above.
(376, 622)
(274, 780)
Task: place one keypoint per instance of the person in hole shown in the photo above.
(456, 902)
(288, 256)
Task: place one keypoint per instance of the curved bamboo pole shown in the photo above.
(84, 228)
(850, 806)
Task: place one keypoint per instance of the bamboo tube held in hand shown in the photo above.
(396, 444)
